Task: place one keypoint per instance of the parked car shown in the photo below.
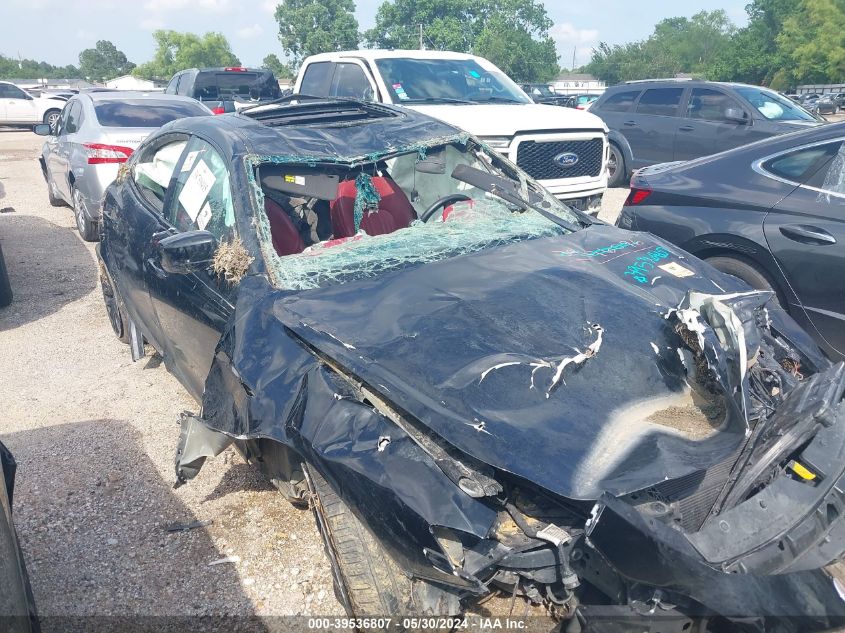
(403, 328)
(543, 93)
(664, 120)
(17, 606)
(771, 213)
(225, 89)
(808, 96)
(825, 105)
(581, 102)
(96, 133)
(18, 108)
(565, 150)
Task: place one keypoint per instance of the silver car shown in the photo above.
(95, 134)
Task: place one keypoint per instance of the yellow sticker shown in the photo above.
(674, 268)
(802, 471)
(290, 179)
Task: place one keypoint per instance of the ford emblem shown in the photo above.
(567, 159)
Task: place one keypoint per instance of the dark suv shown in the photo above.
(666, 120)
(221, 88)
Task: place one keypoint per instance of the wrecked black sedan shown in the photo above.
(475, 387)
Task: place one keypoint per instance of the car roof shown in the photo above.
(645, 83)
(379, 53)
(303, 129)
(134, 95)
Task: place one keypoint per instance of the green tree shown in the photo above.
(513, 34)
(279, 68)
(103, 62)
(11, 68)
(308, 27)
(176, 51)
(677, 45)
(813, 40)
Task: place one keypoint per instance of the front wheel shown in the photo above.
(51, 117)
(87, 229)
(616, 170)
(5, 285)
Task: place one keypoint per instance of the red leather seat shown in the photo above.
(286, 239)
(394, 209)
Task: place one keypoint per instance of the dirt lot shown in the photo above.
(94, 435)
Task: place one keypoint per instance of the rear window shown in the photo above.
(228, 86)
(145, 113)
(620, 102)
(660, 101)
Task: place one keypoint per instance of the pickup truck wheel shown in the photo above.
(616, 170)
(87, 229)
(51, 116)
(366, 580)
(5, 286)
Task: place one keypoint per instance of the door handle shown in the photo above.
(630, 123)
(807, 234)
(687, 128)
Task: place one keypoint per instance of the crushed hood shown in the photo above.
(547, 358)
(497, 119)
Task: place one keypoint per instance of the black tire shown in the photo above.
(54, 201)
(5, 286)
(747, 271)
(617, 170)
(88, 230)
(51, 116)
(367, 581)
(117, 318)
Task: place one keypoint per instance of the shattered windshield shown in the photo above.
(328, 223)
(447, 81)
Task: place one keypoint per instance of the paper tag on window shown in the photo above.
(204, 217)
(674, 268)
(189, 161)
(196, 189)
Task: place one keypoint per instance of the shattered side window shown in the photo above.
(326, 224)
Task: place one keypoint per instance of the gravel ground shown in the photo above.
(95, 434)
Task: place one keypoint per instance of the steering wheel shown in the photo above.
(442, 203)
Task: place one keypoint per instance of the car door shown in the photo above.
(806, 233)
(192, 309)
(650, 129)
(19, 107)
(133, 222)
(713, 122)
(58, 157)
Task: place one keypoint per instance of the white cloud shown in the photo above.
(151, 24)
(82, 34)
(568, 37)
(249, 32)
(204, 6)
(269, 6)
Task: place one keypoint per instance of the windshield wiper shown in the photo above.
(506, 190)
(499, 100)
(435, 100)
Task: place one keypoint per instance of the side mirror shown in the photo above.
(43, 129)
(188, 252)
(737, 115)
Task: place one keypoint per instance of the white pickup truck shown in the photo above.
(565, 149)
(21, 109)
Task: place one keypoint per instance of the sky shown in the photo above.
(56, 31)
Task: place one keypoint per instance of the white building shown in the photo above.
(129, 82)
(578, 83)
